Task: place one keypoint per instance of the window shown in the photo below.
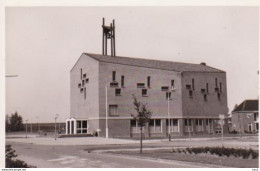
(174, 127)
(140, 85)
(68, 128)
(255, 116)
(151, 122)
(83, 82)
(188, 86)
(187, 122)
(85, 93)
(168, 95)
(148, 81)
(193, 84)
(219, 96)
(118, 91)
(81, 126)
(207, 88)
(205, 97)
(84, 75)
(114, 76)
(144, 92)
(157, 122)
(81, 90)
(208, 121)
(165, 88)
(81, 73)
(199, 125)
(122, 81)
(114, 84)
(190, 93)
(216, 82)
(216, 89)
(155, 125)
(78, 124)
(113, 110)
(133, 123)
(202, 90)
(84, 124)
(172, 84)
(198, 122)
(87, 80)
(79, 85)
(220, 87)
(134, 127)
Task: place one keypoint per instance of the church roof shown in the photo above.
(157, 64)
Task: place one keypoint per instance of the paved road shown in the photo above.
(46, 156)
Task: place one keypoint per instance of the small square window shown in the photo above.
(113, 110)
(84, 75)
(191, 93)
(219, 97)
(140, 85)
(87, 80)
(165, 88)
(114, 84)
(205, 97)
(188, 86)
(79, 85)
(81, 90)
(118, 91)
(144, 92)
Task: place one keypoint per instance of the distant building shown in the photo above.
(101, 89)
(245, 117)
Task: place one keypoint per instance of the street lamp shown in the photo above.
(169, 121)
(38, 124)
(56, 117)
(26, 127)
(106, 116)
(188, 120)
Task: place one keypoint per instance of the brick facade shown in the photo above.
(147, 81)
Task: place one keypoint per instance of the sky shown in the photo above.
(43, 44)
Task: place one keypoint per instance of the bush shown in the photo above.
(10, 163)
(222, 151)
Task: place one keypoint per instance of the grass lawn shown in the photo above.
(198, 158)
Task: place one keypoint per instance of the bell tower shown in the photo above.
(108, 33)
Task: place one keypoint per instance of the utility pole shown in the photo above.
(26, 127)
(55, 125)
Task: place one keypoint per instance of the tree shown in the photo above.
(143, 116)
(7, 123)
(16, 122)
(10, 163)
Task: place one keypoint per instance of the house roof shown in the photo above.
(157, 64)
(247, 105)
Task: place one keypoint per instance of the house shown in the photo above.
(245, 117)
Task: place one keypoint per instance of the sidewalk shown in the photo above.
(228, 141)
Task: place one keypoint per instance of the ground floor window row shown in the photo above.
(155, 125)
(74, 126)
